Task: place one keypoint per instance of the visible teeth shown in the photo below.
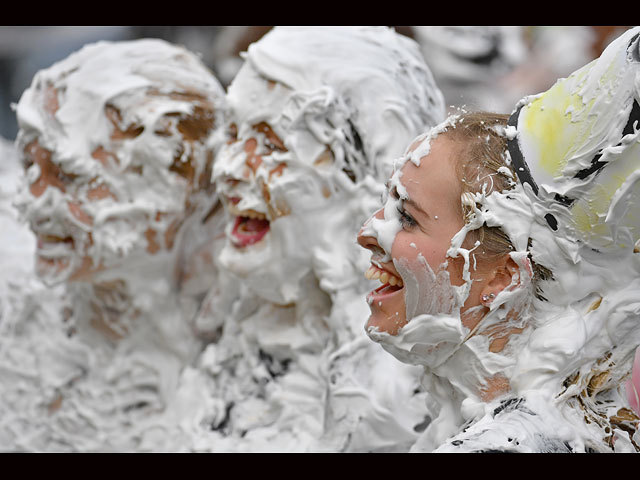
(373, 273)
(245, 213)
(47, 238)
(369, 273)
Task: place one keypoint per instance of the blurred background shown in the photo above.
(482, 67)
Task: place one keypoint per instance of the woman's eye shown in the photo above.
(272, 141)
(274, 144)
(406, 220)
(273, 147)
(66, 178)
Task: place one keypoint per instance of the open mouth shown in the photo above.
(54, 255)
(47, 242)
(249, 227)
(390, 283)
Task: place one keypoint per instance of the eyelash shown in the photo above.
(273, 147)
(406, 220)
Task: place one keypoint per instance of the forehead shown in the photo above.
(68, 105)
(435, 178)
(252, 98)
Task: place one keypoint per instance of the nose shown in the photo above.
(367, 236)
(253, 160)
(237, 162)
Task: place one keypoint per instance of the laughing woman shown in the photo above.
(497, 248)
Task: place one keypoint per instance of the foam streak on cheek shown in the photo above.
(434, 331)
(418, 277)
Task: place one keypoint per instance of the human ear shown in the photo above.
(504, 273)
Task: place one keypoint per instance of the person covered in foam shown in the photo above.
(313, 115)
(513, 241)
(117, 142)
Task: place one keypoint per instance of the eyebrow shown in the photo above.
(394, 193)
(264, 127)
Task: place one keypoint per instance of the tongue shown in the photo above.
(387, 288)
(248, 231)
(253, 225)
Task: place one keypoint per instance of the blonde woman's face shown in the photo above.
(429, 218)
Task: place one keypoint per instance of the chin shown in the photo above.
(245, 261)
(266, 270)
(387, 324)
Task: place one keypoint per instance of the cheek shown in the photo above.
(409, 247)
(428, 285)
(296, 191)
(404, 247)
(100, 192)
(79, 213)
(231, 163)
(84, 205)
(45, 180)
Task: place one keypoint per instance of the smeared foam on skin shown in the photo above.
(303, 101)
(429, 338)
(435, 336)
(559, 379)
(102, 352)
(89, 103)
(342, 101)
(444, 299)
(385, 229)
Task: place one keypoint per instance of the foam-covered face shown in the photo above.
(123, 201)
(437, 291)
(410, 239)
(274, 178)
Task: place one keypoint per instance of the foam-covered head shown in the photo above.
(435, 247)
(571, 312)
(314, 114)
(116, 143)
(576, 151)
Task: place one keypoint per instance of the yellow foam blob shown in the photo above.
(555, 124)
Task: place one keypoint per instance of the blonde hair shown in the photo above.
(482, 155)
(484, 165)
